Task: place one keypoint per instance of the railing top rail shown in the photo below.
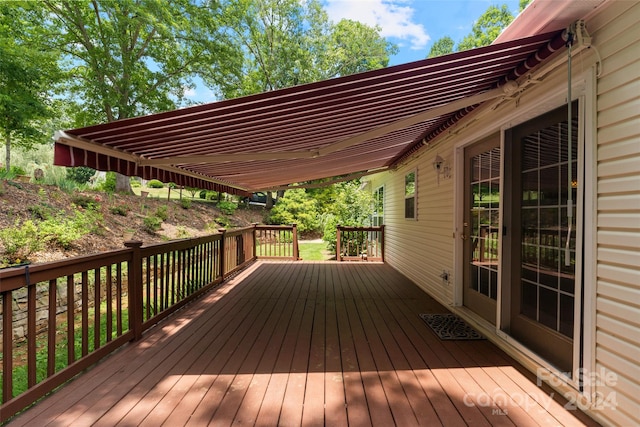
(181, 244)
(274, 227)
(15, 278)
(377, 228)
(238, 231)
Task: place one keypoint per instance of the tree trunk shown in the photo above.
(123, 185)
(269, 203)
(7, 142)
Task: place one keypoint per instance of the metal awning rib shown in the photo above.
(331, 128)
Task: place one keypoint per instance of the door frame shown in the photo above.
(583, 87)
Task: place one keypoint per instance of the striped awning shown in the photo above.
(353, 124)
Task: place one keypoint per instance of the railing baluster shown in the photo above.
(51, 328)
(71, 351)
(109, 303)
(7, 346)
(84, 311)
(96, 309)
(31, 332)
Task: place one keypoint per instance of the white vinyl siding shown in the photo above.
(423, 249)
(617, 349)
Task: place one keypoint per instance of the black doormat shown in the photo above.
(450, 327)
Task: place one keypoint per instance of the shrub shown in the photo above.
(182, 233)
(185, 203)
(63, 230)
(152, 224)
(162, 213)
(296, 207)
(227, 208)
(40, 212)
(172, 185)
(109, 184)
(85, 202)
(135, 183)
(81, 174)
(154, 183)
(20, 241)
(119, 210)
(192, 191)
(222, 221)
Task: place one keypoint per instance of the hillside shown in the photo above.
(117, 213)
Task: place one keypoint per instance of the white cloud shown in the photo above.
(395, 18)
(189, 92)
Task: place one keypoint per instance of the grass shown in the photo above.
(312, 251)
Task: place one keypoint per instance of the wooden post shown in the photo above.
(135, 288)
(222, 252)
(255, 240)
(338, 238)
(382, 242)
(296, 253)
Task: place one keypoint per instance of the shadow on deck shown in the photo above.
(297, 343)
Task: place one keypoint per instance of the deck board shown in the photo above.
(297, 343)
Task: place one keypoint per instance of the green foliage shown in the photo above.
(20, 241)
(121, 210)
(351, 207)
(162, 212)
(226, 207)
(185, 203)
(63, 230)
(154, 183)
(80, 174)
(86, 202)
(288, 42)
(40, 212)
(222, 221)
(487, 27)
(296, 207)
(24, 239)
(192, 191)
(182, 233)
(135, 183)
(152, 224)
(442, 46)
(28, 72)
(109, 184)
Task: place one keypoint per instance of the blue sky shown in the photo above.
(413, 25)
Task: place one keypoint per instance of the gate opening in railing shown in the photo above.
(360, 243)
(59, 318)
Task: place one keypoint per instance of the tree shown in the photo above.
(27, 74)
(129, 58)
(442, 46)
(289, 42)
(484, 31)
(487, 28)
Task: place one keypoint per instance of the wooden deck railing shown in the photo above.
(360, 243)
(76, 311)
(276, 241)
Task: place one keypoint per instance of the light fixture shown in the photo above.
(438, 166)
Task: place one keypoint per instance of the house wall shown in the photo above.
(422, 249)
(617, 319)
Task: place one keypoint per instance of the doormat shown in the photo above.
(450, 327)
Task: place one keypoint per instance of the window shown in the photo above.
(410, 184)
(378, 207)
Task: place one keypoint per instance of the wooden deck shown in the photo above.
(295, 343)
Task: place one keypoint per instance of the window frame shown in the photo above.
(376, 218)
(413, 195)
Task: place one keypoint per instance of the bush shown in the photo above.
(81, 174)
(227, 208)
(40, 212)
(185, 203)
(296, 207)
(85, 202)
(152, 224)
(109, 184)
(20, 241)
(162, 213)
(63, 231)
(119, 210)
(154, 183)
(135, 183)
